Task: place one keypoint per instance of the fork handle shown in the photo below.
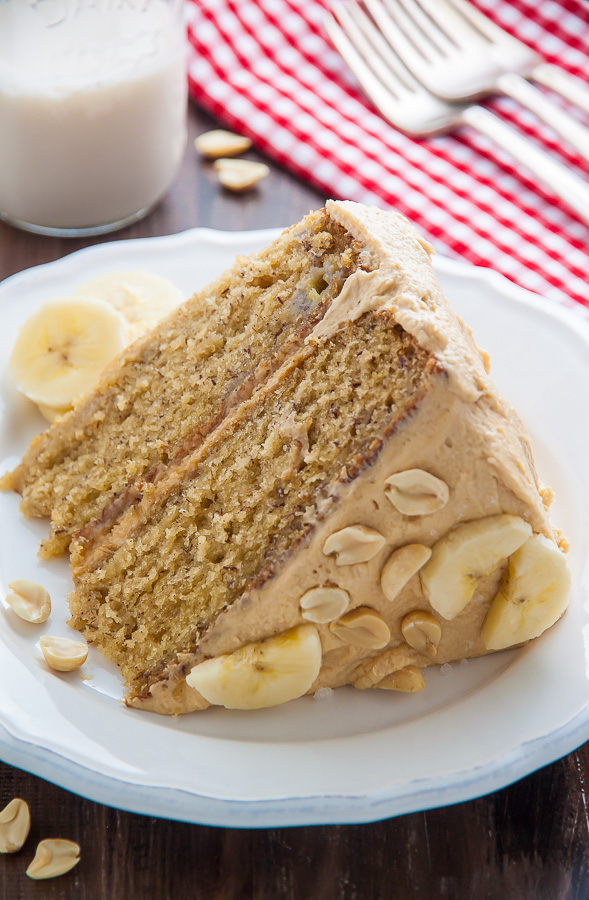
(566, 85)
(566, 185)
(529, 96)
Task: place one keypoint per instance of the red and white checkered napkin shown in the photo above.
(267, 70)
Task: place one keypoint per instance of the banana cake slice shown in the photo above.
(342, 497)
(370, 509)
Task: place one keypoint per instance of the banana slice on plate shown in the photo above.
(51, 413)
(261, 674)
(63, 347)
(141, 297)
(532, 596)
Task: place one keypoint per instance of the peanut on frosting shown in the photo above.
(408, 680)
(422, 631)
(416, 492)
(362, 627)
(324, 604)
(372, 671)
(401, 566)
(354, 544)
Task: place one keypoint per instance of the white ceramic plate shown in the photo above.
(359, 756)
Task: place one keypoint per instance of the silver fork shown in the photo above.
(405, 103)
(511, 55)
(441, 45)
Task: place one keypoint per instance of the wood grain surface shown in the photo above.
(526, 842)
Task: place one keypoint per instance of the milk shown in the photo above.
(92, 110)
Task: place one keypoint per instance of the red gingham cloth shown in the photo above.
(266, 69)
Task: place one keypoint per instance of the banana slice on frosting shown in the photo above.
(466, 554)
(265, 673)
(532, 596)
(62, 349)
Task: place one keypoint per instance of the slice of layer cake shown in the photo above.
(371, 509)
(349, 502)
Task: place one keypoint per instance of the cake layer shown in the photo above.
(168, 390)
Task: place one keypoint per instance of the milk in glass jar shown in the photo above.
(92, 111)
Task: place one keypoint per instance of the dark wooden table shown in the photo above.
(526, 842)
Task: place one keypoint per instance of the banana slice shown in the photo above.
(63, 347)
(50, 413)
(261, 674)
(464, 555)
(532, 596)
(141, 297)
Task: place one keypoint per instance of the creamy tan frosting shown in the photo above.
(403, 261)
(462, 432)
(362, 292)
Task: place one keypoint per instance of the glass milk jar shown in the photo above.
(92, 111)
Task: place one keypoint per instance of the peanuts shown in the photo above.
(240, 174)
(217, 143)
(63, 654)
(422, 632)
(15, 822)
(236, 175)
(29, 600)
(416, 492)
(324, 604)
(362, 627)
(54, 857)
(401, 566)
(354, 544)
(408, 680)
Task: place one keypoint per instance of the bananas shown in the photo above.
(62, 349)
(532, 596)
(534, 589)
(261, 674)
(50, 412)
(467, 553)
(142, 298)
(64, 346)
